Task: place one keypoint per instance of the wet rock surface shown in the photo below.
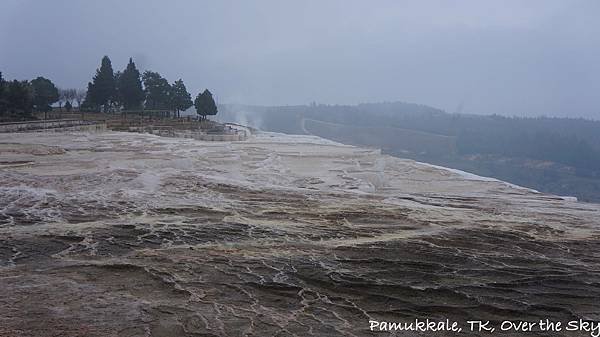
(118, 234)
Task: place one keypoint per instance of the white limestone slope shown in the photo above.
(144, 171)
(274, 236)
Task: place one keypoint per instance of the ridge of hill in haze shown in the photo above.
(553, 155)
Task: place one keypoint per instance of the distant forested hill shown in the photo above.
(554, 155)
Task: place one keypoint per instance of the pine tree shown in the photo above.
(210, 103)
(157, 90)
(130, 90)
(181, 98)
(200, 105)
(205, 104)
(103, 89)
(16, 100)
(19, 99)
(44, 94)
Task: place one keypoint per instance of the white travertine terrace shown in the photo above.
(284, 234)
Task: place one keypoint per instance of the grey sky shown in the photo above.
(508, 57)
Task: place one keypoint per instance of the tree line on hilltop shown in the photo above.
(109, 91)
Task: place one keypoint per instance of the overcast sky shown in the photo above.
(508, 57)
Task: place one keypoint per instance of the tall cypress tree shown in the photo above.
(103, 88)
(88, 103)
(117, 98)
(181, 98)
(129, 86)
(3, 100)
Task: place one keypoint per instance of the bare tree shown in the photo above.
(64, 96)
(79, 97)
(70, 94)
(61, 97)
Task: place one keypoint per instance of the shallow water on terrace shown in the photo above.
(276, 235)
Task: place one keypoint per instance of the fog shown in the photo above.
(507, 57)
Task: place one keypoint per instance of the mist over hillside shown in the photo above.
(554, 155)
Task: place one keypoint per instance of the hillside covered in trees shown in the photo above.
(554, 155)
